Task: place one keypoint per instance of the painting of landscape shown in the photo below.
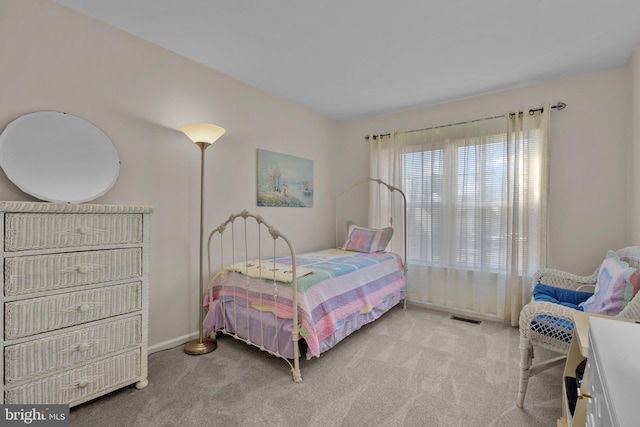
(284, 180)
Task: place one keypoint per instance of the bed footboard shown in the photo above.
(235, 247)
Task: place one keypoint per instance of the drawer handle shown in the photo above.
(83, 230)
(84, 345)
(83, 268)
(582, 395)
(84, 307)
(82, 383)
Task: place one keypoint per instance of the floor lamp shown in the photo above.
(203, 135)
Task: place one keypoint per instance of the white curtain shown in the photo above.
(528, 205)
(477, 209)
(385, 207)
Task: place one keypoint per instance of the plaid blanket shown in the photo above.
(342, 285)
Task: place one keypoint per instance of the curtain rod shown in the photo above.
(559, 106)
(382, 135)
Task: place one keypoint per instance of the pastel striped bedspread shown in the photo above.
(342, 286)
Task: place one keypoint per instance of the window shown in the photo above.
(477, 195)
(456, 202)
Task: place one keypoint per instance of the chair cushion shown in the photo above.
(617, 284)
(567, 297)
(547, 324)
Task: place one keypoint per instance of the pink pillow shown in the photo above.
(361, 239)
(617, 284)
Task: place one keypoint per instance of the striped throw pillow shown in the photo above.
(362, 239)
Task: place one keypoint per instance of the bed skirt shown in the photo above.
(249, 325)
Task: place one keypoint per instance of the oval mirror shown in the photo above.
(58, 157)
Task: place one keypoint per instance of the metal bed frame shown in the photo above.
(246, 216)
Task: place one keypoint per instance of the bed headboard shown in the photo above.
(242, 244)
(373, 203)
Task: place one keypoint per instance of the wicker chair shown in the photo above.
(549, 325)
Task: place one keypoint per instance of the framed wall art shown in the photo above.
(284, 180)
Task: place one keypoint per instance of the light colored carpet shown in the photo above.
(412, 367)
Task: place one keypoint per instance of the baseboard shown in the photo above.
(459, 312)
(175, 342)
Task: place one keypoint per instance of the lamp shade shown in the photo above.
(202, 132)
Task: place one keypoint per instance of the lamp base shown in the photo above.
(196, 347)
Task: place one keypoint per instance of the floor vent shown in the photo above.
(464, 319)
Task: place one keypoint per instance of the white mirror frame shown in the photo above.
(58, 157)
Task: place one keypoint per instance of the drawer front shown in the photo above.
(598, 412)
(76, 384)
(28, 274)
(65, 350)
(37, 315)
(31, 231)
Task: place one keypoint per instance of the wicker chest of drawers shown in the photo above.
(74, 301)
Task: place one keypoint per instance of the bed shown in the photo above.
(301, 305)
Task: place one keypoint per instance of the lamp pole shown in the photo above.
(203, 135)
(201, 345)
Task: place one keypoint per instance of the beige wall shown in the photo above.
(634, 171)
(54, 58)
(590, 145)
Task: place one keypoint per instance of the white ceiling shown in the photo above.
(350, 59)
